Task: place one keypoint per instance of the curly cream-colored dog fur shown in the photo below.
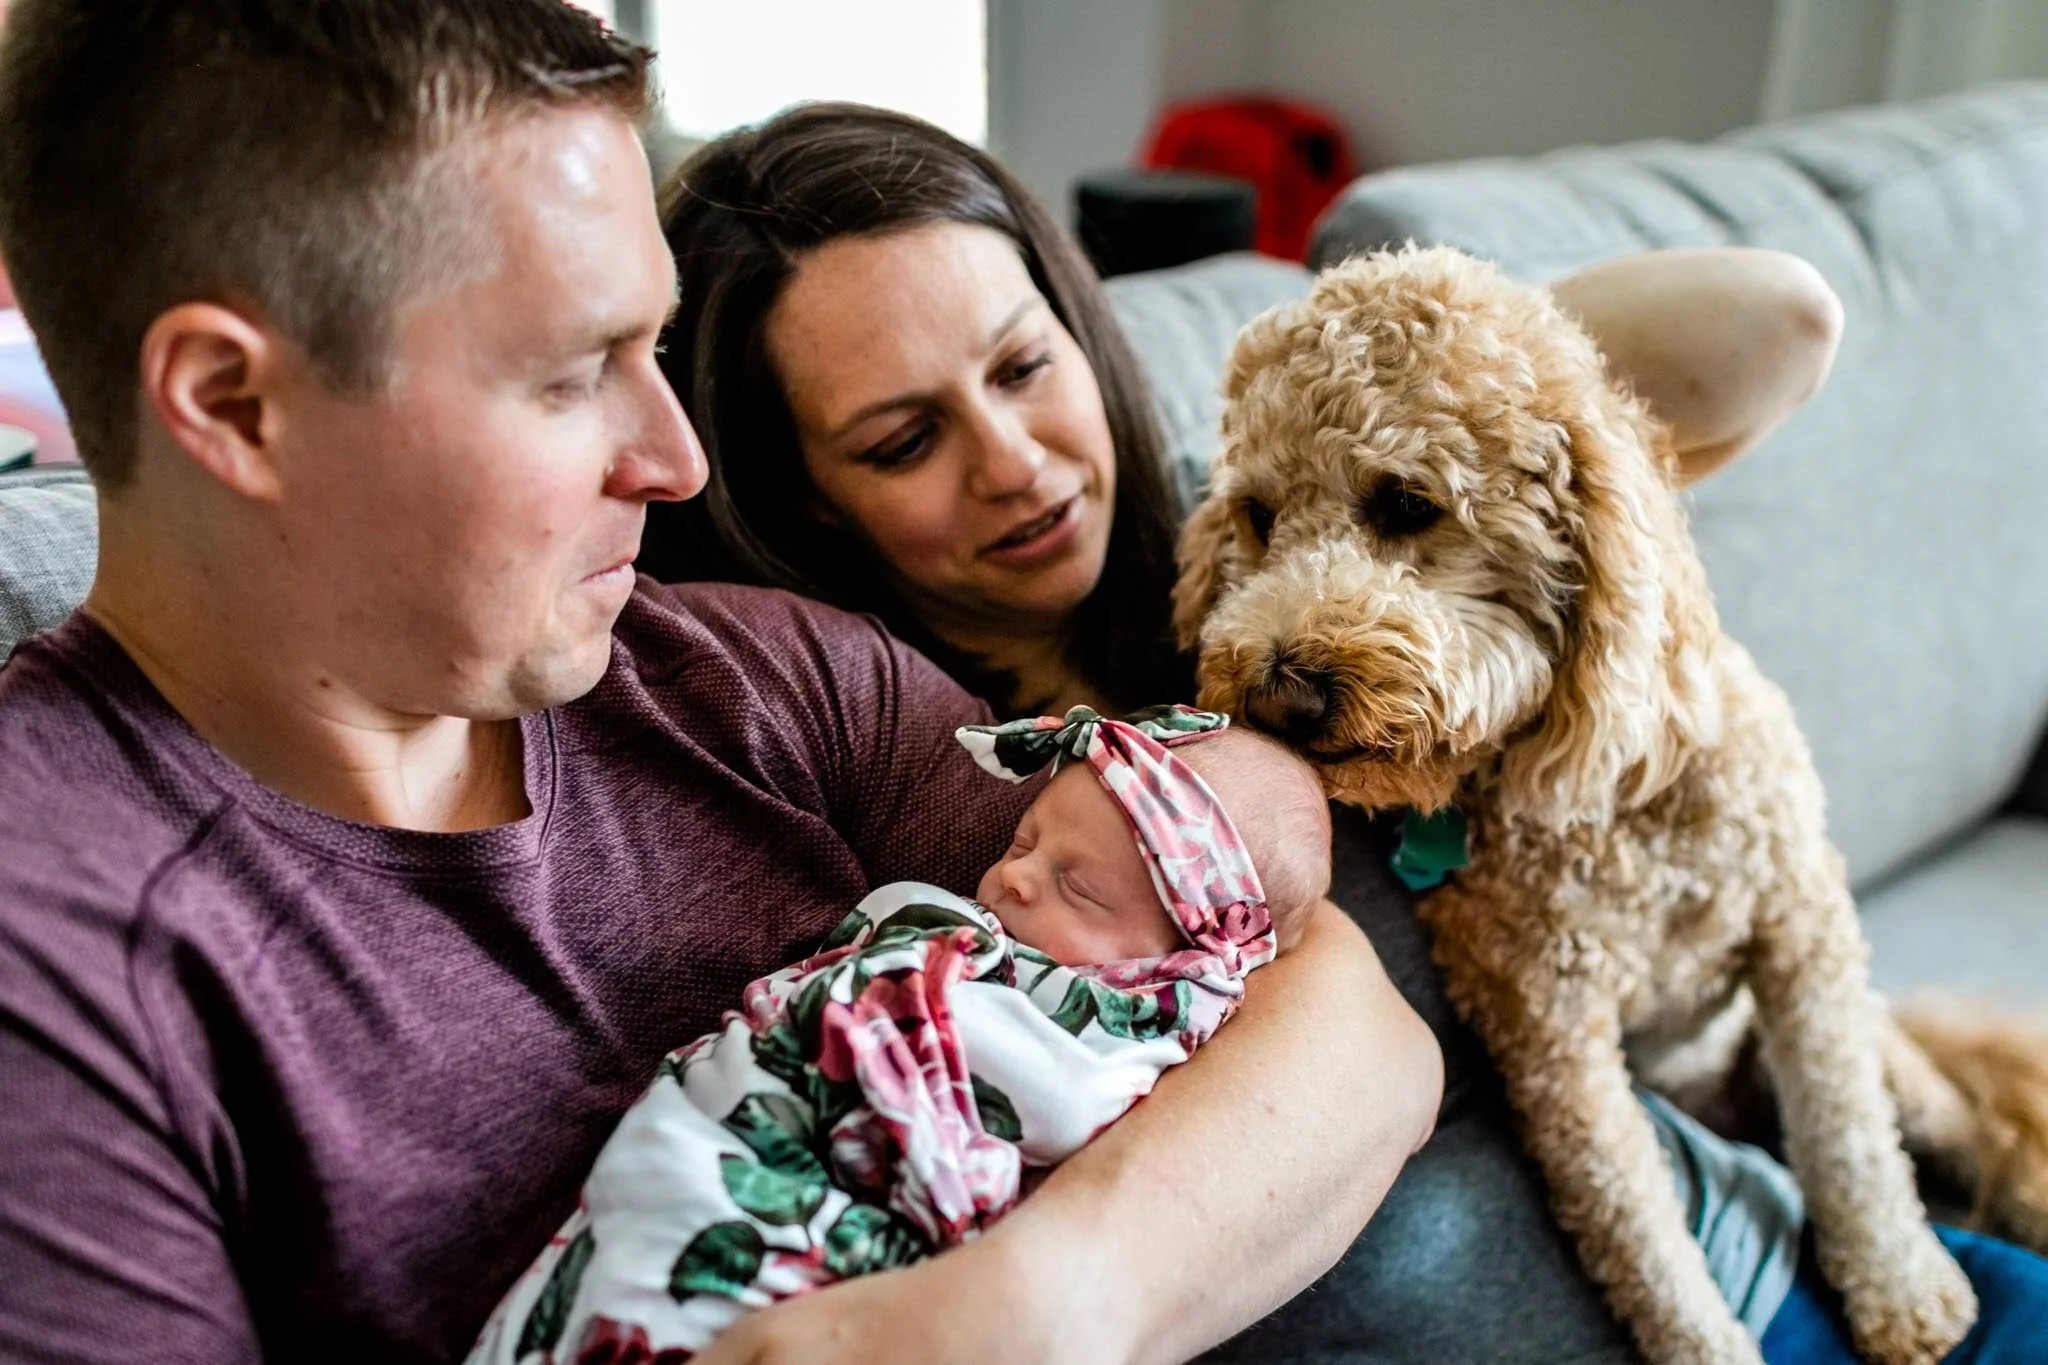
(1446, 558)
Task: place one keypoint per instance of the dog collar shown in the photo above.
(1431, 848)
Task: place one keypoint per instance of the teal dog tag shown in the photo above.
(1431, 848)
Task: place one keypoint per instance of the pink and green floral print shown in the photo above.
(1199, 865)
(872, 1104)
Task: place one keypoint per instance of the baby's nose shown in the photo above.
(1018, 880)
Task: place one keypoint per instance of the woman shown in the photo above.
(915, 403)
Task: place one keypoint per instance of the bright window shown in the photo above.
(725, 63)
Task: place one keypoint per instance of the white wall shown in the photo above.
(1825, 54)
(1074, 85)
(1459, 78)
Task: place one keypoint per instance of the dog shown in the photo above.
(1445, 557)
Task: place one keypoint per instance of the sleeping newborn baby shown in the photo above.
(895, 1093)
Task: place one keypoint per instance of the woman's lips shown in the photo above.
(1046, 534)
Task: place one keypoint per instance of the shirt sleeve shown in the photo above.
(904, 793)
(109, 1247)
(839, 719)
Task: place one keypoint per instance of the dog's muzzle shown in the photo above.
(1292, 705)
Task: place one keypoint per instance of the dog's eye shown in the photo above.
(1395, 510)
(1259, 517)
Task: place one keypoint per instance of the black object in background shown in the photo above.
(1130, 220)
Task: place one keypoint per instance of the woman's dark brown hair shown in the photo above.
(739, 216)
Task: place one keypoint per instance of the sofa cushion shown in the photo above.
(1883, 555)
(1968, 923)
(49, 541)
(1181, 323)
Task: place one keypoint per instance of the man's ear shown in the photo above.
(210, 375)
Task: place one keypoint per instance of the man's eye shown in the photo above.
(1394, 510)
(576, 387)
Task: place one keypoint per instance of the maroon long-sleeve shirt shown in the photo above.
(275, 1084)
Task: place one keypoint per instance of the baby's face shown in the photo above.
(1073, 884)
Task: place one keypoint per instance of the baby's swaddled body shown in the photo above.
(890, 1096)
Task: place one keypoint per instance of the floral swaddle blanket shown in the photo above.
(885, 1098)
(712, 1200)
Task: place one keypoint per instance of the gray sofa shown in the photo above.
(1885, 556)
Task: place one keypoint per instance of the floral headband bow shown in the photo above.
(1198, 863)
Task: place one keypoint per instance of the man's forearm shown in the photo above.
(1247, 1172)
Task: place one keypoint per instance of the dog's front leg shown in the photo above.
(1823, 1034)
(1552, 1021)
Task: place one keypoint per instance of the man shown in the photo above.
(370, 834)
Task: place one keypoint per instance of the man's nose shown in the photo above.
(663, 461)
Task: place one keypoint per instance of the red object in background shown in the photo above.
(1297, 155)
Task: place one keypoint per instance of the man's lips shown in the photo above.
(624, 562)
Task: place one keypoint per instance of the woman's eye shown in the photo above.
(1259, 518)
(899, 450)
(1024, 369)
(1394, 510)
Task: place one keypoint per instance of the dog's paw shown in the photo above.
(2015, 1196)
(1723, 1343)
(1914, 1318)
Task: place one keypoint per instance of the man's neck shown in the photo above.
(294, 730)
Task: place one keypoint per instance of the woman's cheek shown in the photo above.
(928, 526)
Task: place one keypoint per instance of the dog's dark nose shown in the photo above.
(1291, 705)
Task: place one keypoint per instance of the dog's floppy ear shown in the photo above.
(1633, 692)
(1207, 556)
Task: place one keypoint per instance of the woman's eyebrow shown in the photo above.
(1016, 315)
(912, 400)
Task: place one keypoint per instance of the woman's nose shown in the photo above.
(1008, 460)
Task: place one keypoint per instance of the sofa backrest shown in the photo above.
(49, 540)
(1181, 322)
(1885, 554)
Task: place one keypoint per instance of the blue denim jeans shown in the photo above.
(2012, 1321)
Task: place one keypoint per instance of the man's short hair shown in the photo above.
(273, 155)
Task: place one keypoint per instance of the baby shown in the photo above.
(895, 1093)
